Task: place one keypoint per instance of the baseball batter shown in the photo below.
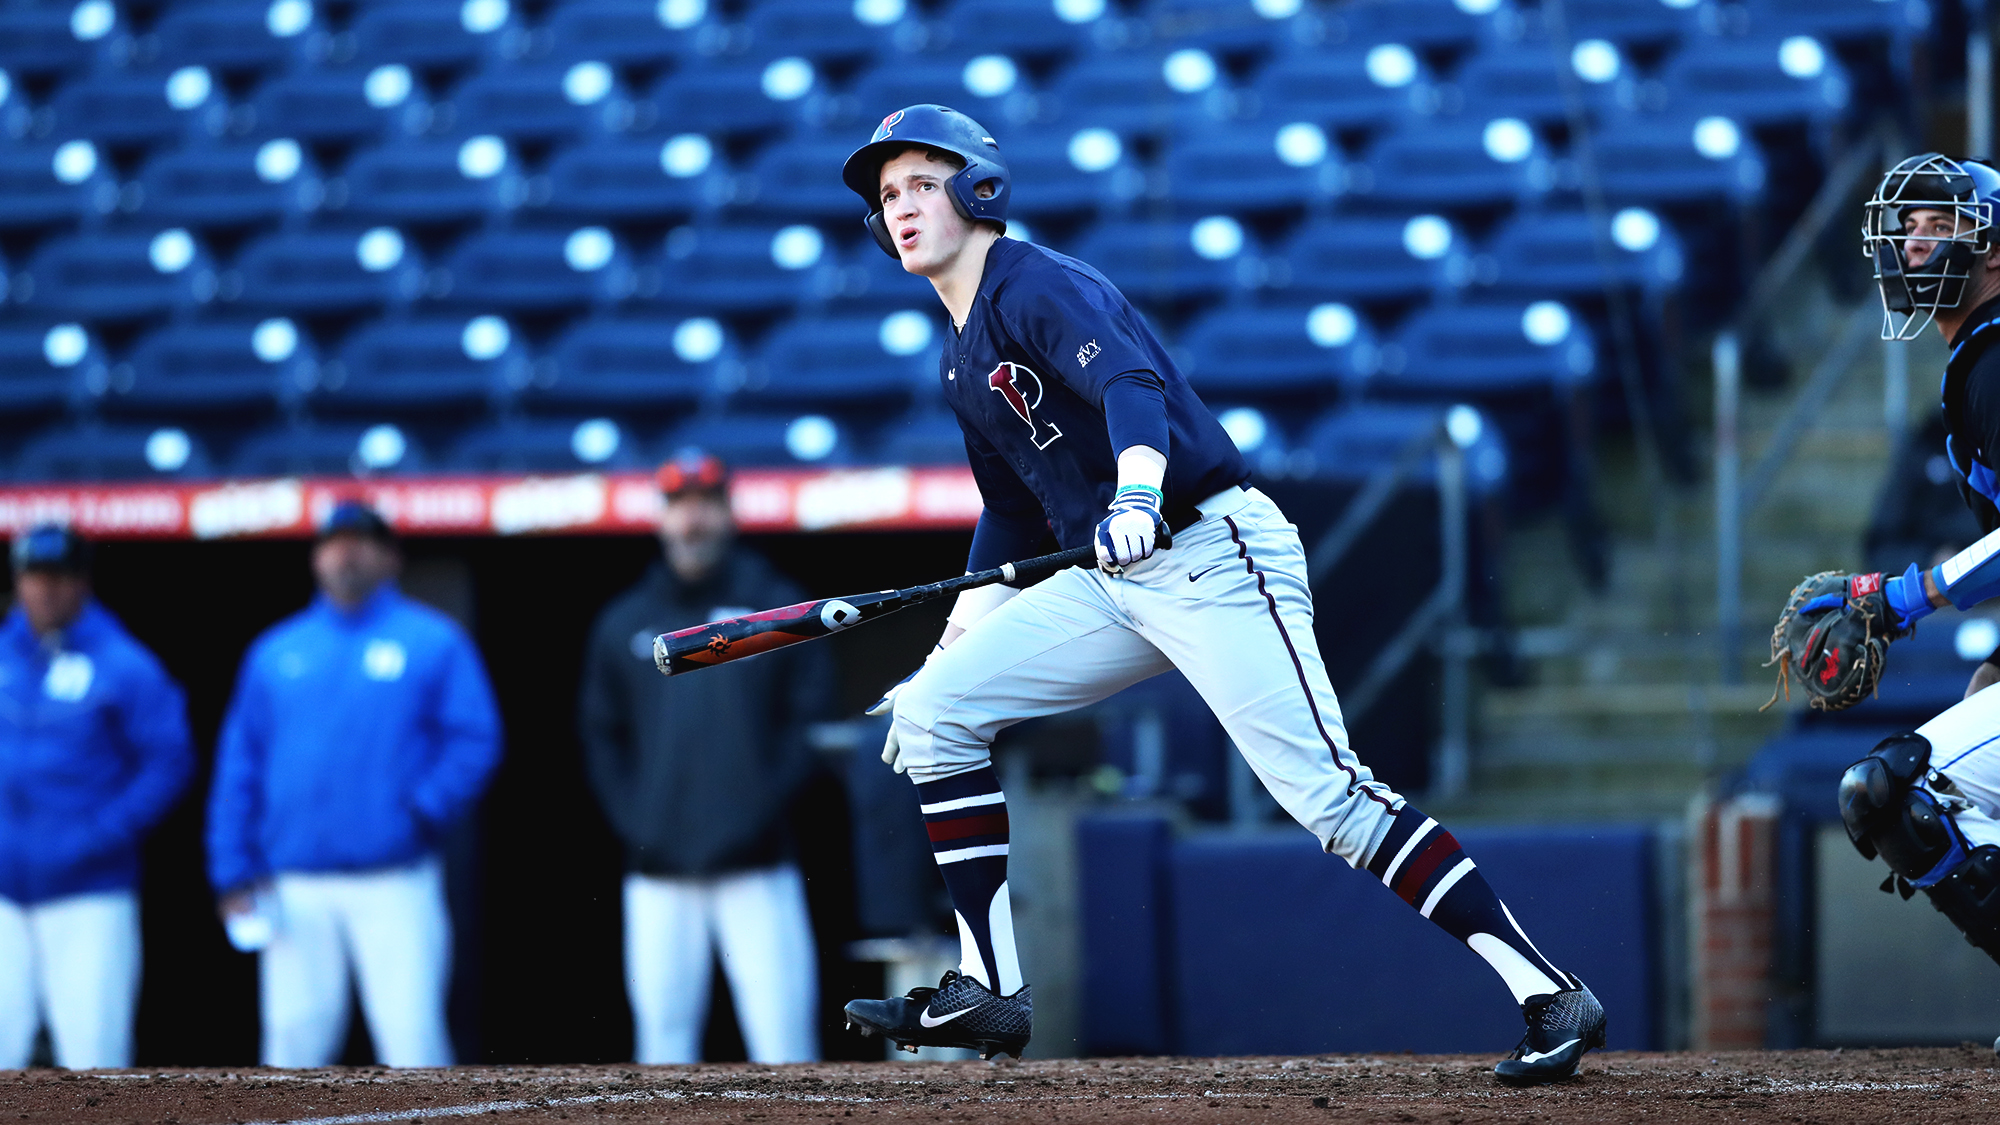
(1926, 802)
(1077, 423)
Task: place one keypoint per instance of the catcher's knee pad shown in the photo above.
(1888, 813)
(1969, 895)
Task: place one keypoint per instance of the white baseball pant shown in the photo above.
(1228, 605)
(392, 930)
(1965, 747)
(757, 922)
(75, 962)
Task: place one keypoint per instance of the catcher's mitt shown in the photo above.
(1835, 635)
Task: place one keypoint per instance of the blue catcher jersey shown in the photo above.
(1026, 377)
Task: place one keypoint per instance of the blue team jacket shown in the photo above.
(353, 741)
(94, 749)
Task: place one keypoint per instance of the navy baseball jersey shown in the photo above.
(1027, 377)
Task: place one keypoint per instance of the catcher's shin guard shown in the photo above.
(1969, 895)
(1887, 814)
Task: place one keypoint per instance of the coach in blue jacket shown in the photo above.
(362, 727)
(94, 750)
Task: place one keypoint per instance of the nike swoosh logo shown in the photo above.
(924, 1017)
(1192, 575)
(1531, 1056)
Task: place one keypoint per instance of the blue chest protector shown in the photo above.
(1978, 483)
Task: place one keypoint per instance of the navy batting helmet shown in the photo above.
(938, 127)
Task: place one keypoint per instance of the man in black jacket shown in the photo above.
(694, 774)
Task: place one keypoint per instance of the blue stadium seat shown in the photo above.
(132, 108)
(731, 97)
(424, 364)
(432, 33)
(1359, 259)
(1431, 23)
(1841, 19)
(833, 362)
(542, 101)
(1332, 86)
(922, 437)
(329, 271)
(55, 38)
(1524, 80)
(217, 365)
(327, 450)
(792, 179)
(341, 105)
(1253, 354)
(1758, 81)
(1453, 351)
(736, 269)
(624, 31)
(230, 185)
(97, 452)
(889, 86)
(1157, 262)
(628, 177)
(427, 181)
(766, 440)
(1454, 166)
(235, 35)
(111, 276)
(1128, 93)
(569, 446)
(42, 366)
(1255, 166)
(1021, 27)
(538, 269)
(1222, 25)
(49, 185)
(602, 363)
(1677, 159)
(817, 29)
(1644, 22)
(1353, 442)
(1555, 254)
(1065, 175)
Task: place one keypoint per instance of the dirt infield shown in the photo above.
(1877, 1087)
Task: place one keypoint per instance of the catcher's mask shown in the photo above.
(1965, 190)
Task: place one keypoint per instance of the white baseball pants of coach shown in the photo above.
(391, 930)
(1965, 747)
(757, 922)
(75, 962)
(1227, 604)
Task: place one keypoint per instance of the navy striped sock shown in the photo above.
(966, 816)
(1425, 866)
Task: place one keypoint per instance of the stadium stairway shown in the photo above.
(1624, 713)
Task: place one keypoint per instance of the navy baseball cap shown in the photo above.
(51, 546)
(692, 468)
(352, 517)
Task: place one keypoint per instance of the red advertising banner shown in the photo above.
(883, 498)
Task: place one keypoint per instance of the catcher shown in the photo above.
(1925, 801)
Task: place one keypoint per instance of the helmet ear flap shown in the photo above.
(879, 227)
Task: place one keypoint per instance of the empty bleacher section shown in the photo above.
(490, 215)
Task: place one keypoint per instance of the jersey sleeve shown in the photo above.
(1075, 327)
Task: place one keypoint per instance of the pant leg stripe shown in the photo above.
(1250, 566)
(1464, 868)
(962, 803)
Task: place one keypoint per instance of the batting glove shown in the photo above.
(1128, 533)
(892, 754)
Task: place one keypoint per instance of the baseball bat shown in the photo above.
(720, 642)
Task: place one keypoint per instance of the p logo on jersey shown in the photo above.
(888, 125)
(1022, 389)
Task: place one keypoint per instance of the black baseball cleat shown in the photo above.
(959, 1012)
(1561, 1027)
